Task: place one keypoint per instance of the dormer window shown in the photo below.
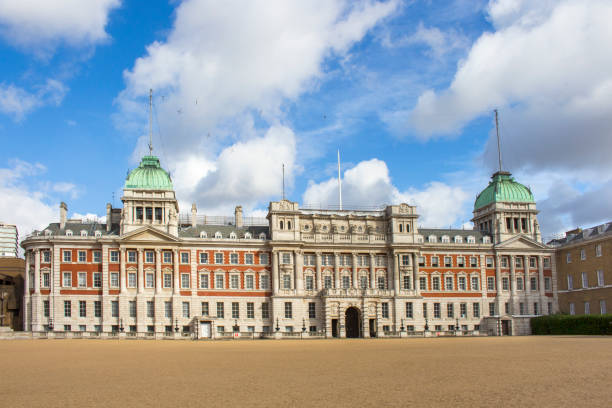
(431, 239)
(471, 240)
(218, 235)
(262, 235)
(232, 235)
(486, 240)
(68, 233)
(47, 233)
(83, 233)
(445, 239)
(98, 234)
(247, 235)
(203, 234)
(458, 239)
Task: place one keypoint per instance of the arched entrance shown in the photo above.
(352, 323)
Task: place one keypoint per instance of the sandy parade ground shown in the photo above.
(467, 372)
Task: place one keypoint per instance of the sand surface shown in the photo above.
(464, 372)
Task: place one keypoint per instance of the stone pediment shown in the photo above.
(148, 234)
(521, 242)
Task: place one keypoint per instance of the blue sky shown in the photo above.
(405, 89)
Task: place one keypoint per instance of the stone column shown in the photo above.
(372, 271)
(298, 264)
(27, 274)
(512, 284)
(541, 287)
(122, 276)
(275, 276)
(415, 275)
(498, 284)
(526, 270)
(176, 271)
(354, 266)
(37, 271)
(318, 266)
(158, 271)
(140, 270)
(395, 273)
(336, 270)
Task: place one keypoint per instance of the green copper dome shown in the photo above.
(149, 176)
(503, 188)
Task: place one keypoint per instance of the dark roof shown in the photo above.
(225, 230)
(583, 235)
(77, 226)
(451, 233)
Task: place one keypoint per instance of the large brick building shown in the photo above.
(584, 264)
(343, 273)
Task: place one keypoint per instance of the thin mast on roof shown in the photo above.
(150, 122)
(339, 182)
(283, 181)
(498, 141)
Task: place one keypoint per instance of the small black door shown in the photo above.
(372, 327)
(353, 325)
(334, 327)
(506, 327)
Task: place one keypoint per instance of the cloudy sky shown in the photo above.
(405, 89)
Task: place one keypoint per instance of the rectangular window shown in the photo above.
(114, 279)
(220, 310)
(448, 283)
(46, 280)
(263, 259)
(489, 262)
(504, 261)
(363, 282)
(327, 260)
(518, 261)
(519, 283)
(168, 309)
(406, 282)
(167, 280)
(82, 308)
(327, 282)
(132, 279)
(309, 282)
(114, 256)
(568, 258)
(233, 258)
(476, 309)
(533, 283)
(288, 310)
(463, 310)
(185, 280)
(598, 250)
(82, 256)
(132, 307)
(424, 309)
(97, 279)
(218, 281)
(546, 262)
(462, 283)
(532, 262)
(97, 256)
(460, 261)
(547, 283)
(435, 282)
(234, 281)
(114, 308)
(46, 256)
(473, 262)
(521, 308)
(423, 283)
(312, 311)
(602, 307)
(149, 280)
(490, 283)
(150, 308)
(309, 260)
(582, 254)
(167, 257)
(67, 256)
(203, 258)
(536, 308)
(248, 259)
(382, 284)
(205, 310)
(82, 279)
(506, 308)
(421, 261)
(448, 261)
(184, 257)
(264, 282)
(450, 310)
(186, 310)
(346, 282)
(475, 283)
(131, 256)
(67, 308)
(600, 278)
(505, 283)
(585, 280)
(572, 309)
(492, 309)
(150, 257)
(409, 310)
(203, 281)
(434, 261)
(437, 312)
(286, 258)
(45, 308)
(570, 282)
(219, 258)
(265, 310)
(385, 310)
(97, 308)
(405, 260)
(286, 281)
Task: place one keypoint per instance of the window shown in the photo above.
(114, 256)
(150, 257)
(533, 283)
(167, 257)
(265, 310)
(462, 283)
(421, 261)
(235, 281)
(450, 310)
(309, 282)
(424, 309)
(460, 261)
(312, 311)
(473, 262)
(363, 282)
(568, 258)
(434, 261)
(67, 308)
(385, 310)
(504, 261)
(327, 260)
(598, 250)
(476, 309)
(570, 282)
(547, 283)
(288, 310)
(519, 283)
(185, 280)
(248, 259)
(492, 309)
(286, 258)
(437, 313)
(248, 282)
(132, 307)
(132, 279)
(422, 283)
(46, 256)
(218, 281)
(521, 308)
(186, 310)
(405, 260)
(203, 281)
(582, 254)
(203, 258)
(490, 283)
(220, 329)
(435, 282)
(131, 256)
(97, 308)
(250, 310)
(218, 258)
(346, 282)
(114, 308)
(532, 262)
(264, 282)
(380, 261)
(149, 280)
(286, 281)
(505, 283)
(82, 279)
(546, 262)
(448, 261)
(409, 310)
(327, 282)
(82, 256)
(82, 308)
(448, 283)
(381, 282)
(585, 280)
(67, 256)
(489, 262)
(167, 280)
(97, 279)
(602, 307)
(463, 310)
(233, 235)
(518, 261)
(233, 258)
(506, 308)
(150, 308)
(46, 280)
(220, 310)
(600, 278)
(97, 256)
(536, 308)
(263, 259)
(406, 282)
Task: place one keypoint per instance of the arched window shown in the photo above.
(98, 234)
(281, 224)
(68, 233)
(203, 234)
(471, 240)
(431, 239)
(445, 238)
(218, 235)
(262, 235)
(458, 239)
(288, 225)
(401, 228)
(247, 235)
(83, 233)
(232, 235)
(407, 227)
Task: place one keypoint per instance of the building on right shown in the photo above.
(8, 240)
(584, 270)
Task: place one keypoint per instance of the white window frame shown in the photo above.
(97, 279)
(585, 280)
(248, 259)
(132, 283)
(80, 277)
(491, 283)
(234, 258)
(219, 256)
(149, 280)
(84, 256)
(149, 257)
(67, 279)
(264, 282)
(185, 281)
(203, 258)
(182, 255)
(132, 257)
(234, 281)
(167, 280)
(97, 256)
(582, 254)
(570, 282)
(600, 277)
(264, 259)
(219, 279)
(598, 250)
(249, 281)
(67, 258)
(204, 280)
(114, 256)
(114, 279)
(166, 257)
(461, 283)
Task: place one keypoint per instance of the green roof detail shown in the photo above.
(149, 176)
(503, 188)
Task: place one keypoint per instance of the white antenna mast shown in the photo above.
(283, 181)
(498, 141)
(150, 122)
(339, 182)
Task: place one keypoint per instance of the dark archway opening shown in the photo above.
(353, 324)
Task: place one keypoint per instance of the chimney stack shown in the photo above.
(238, 216)
(63, 212)
(109, 219)
(194, 212)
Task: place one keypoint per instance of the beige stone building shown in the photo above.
(584, 264)
(151, 271)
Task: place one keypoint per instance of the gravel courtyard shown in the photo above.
(468, 372)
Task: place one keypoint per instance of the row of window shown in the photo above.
(149, 257)
(343, 259)
(583, 255)
(585, 280)
(463, 310)
(434, 261)
(587, 307)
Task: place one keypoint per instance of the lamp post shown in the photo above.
(426, 324)
(303, 327)
(236, 327)
(457, 325)
(121, 325)
(50, 326)
(402, 326)
(277, 328)
(176, 328)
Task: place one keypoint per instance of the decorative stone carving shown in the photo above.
(404, 208)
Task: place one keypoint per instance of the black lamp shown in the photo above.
(121, 325)
(277, 328)
(176, 328)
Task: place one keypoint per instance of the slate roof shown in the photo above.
(584, 235)
(225, 230)
(451, 233)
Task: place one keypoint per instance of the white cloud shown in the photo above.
(222, 66)
(369, 184)
(40, 25)
(439, 42)
(18, 102)
(89, 217)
